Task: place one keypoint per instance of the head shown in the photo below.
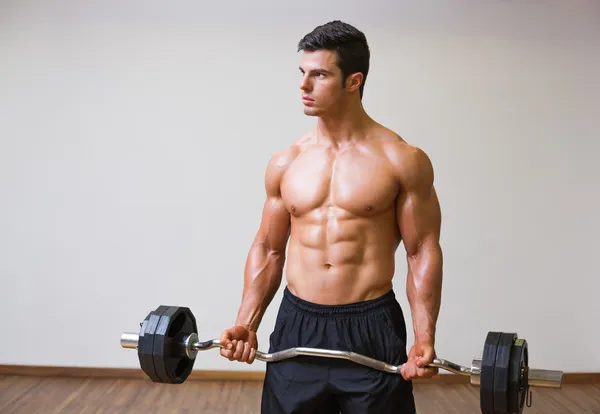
(334, 66)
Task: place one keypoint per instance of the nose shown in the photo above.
(304, 84)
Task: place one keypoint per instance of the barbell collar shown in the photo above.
(539, 378)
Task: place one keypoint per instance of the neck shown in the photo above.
(347, 125)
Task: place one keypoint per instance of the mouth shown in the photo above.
(307, 100)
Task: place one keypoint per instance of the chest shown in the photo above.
(358, 183)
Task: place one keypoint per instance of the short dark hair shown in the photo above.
(349, 43)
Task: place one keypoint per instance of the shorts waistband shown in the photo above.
(349, 309)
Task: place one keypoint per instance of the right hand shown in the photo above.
(239, 344)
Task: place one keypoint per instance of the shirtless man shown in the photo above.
(344, 196)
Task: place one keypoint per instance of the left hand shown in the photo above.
(420, 355)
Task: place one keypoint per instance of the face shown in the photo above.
(323, 91)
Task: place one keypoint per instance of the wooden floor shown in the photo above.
(27, 394)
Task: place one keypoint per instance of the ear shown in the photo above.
(354, 81)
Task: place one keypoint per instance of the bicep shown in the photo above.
(275, 224)
(275, 220)
(419, 218)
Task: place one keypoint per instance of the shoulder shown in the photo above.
(411, 165)
(280, 161)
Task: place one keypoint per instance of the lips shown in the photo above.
(307, 99)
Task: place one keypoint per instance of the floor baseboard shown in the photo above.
(225, 375)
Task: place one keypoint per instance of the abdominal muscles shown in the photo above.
(338, 257)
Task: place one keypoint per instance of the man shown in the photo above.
(344, 196)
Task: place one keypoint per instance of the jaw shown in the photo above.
(323, 112)
(322, 109)
(310, 111)
(333, 108)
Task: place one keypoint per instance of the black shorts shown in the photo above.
(309, 384)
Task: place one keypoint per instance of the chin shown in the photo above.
(310, 111)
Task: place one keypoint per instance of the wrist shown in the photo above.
(425, 338)
(246, 325)
(249, 321)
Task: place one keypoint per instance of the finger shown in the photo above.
(404, 372)
(225, 338)
(252, 355)
(414, 371)
(426, 358)
(410, 371)
(246, 352)
(231, 346)
(228, 345)
(239, 349)
(226, 353)
(422, 362)
(427, 372)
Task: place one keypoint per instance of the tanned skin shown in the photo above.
(341, 199)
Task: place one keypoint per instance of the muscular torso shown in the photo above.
(344, 232)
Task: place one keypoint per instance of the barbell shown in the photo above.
(167, 345)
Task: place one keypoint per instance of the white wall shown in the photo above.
(133, 141)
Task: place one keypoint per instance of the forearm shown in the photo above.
(262, 277)
(424, 291)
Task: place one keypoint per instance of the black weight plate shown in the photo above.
(488, 365)
(144, 349)
(501, 371)
(170, 361)
(518, 382)
(524, 381)
(146, 343)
